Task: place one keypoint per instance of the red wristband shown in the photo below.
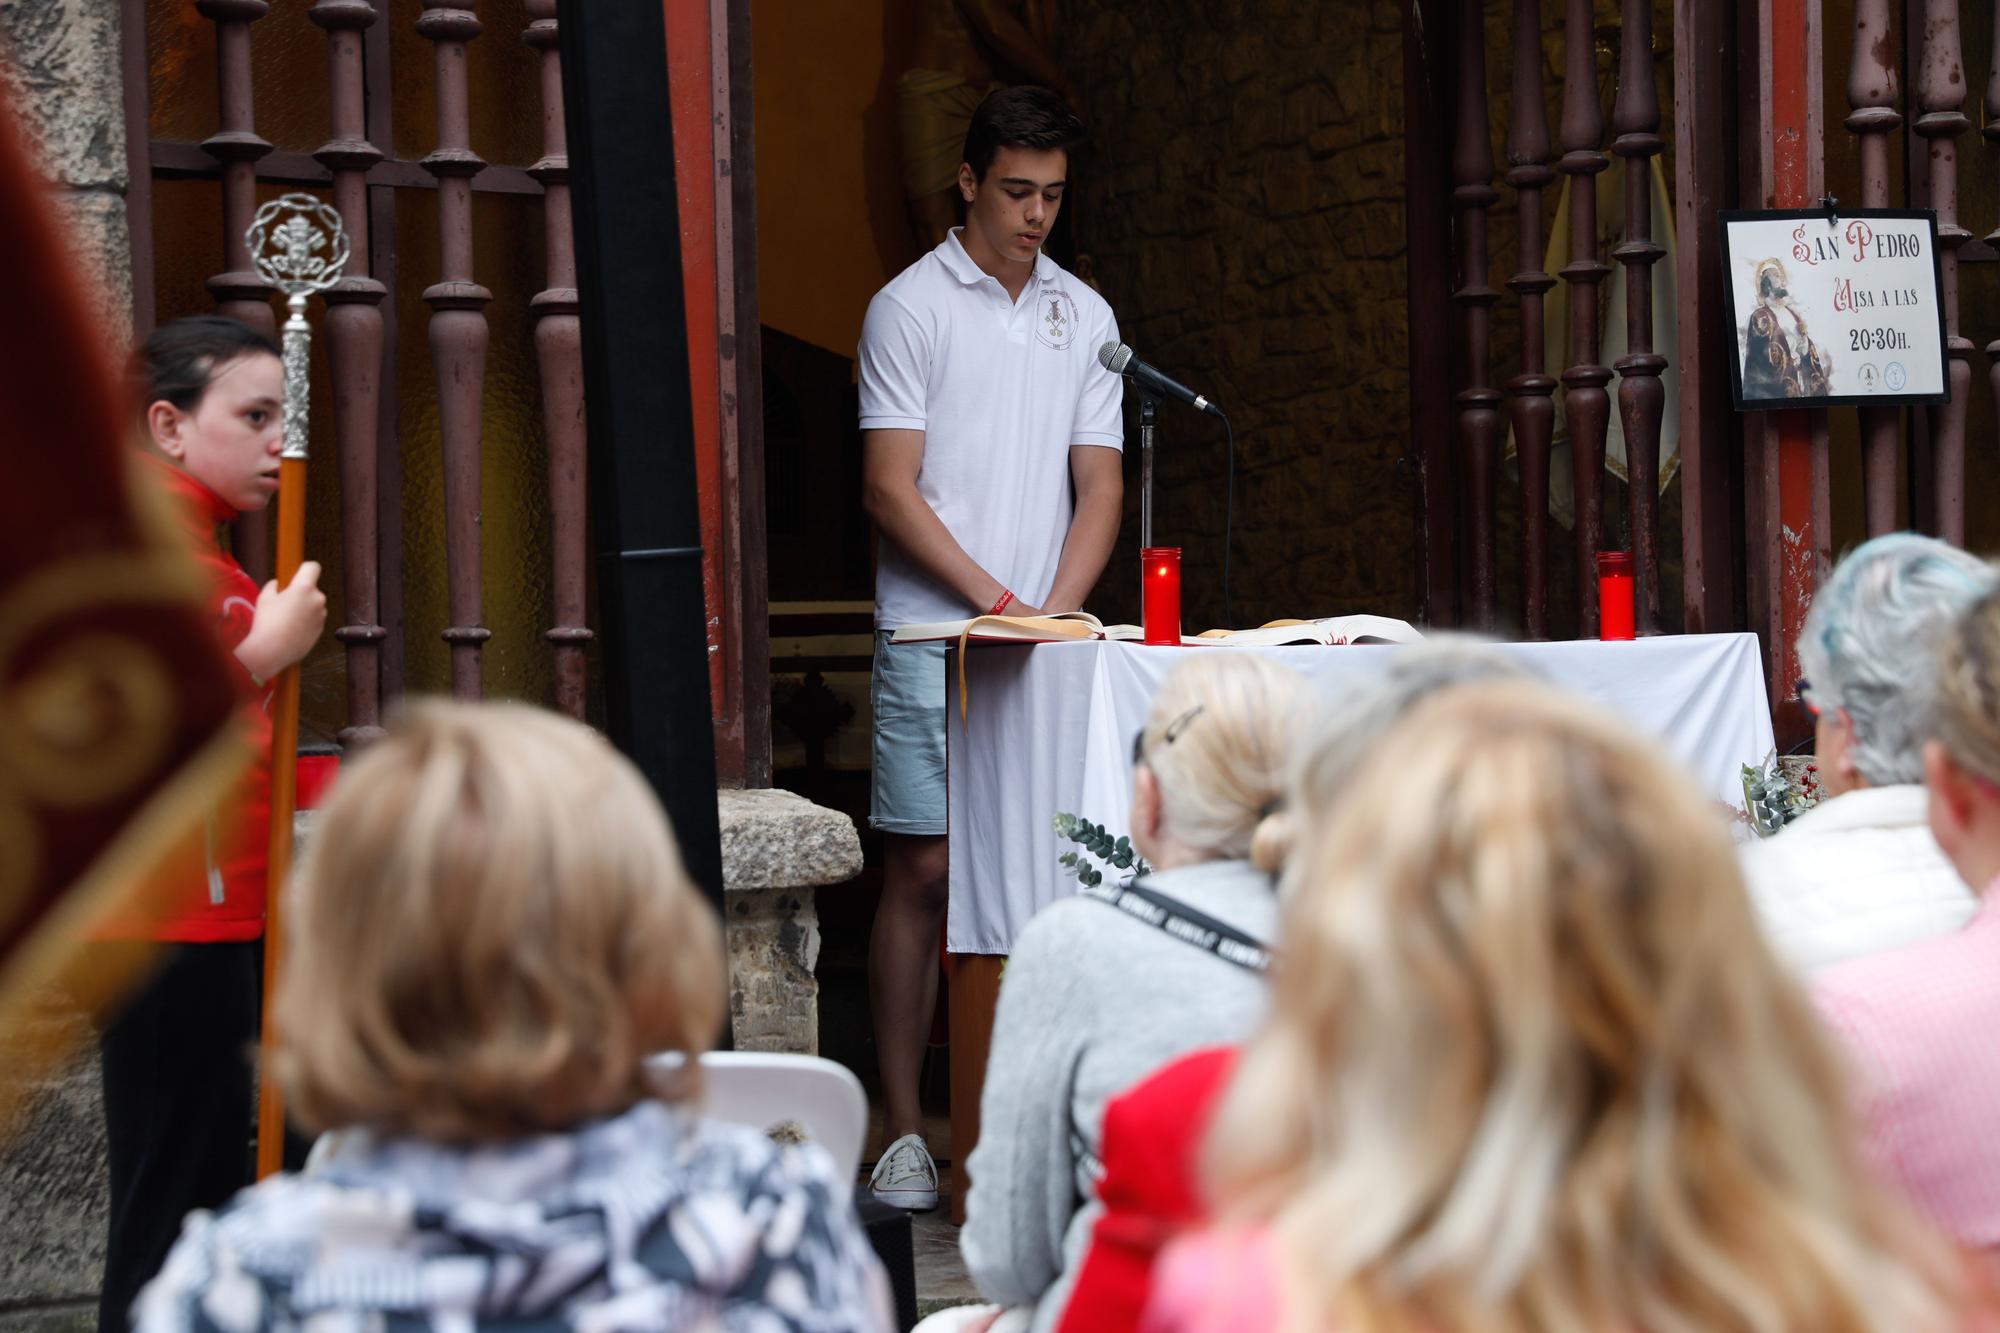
(1001, 605)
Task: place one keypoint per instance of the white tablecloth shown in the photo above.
(1051, 730)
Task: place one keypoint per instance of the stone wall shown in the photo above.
(53, 1197)
(1241, 203)
(60, 61)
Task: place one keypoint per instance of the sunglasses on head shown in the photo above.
(1169, 735)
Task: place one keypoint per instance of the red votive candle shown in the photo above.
(1160, 592)
(1614, 594)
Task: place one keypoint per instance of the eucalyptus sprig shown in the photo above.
(1094, 844)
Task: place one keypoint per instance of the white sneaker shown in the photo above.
(906, 1177)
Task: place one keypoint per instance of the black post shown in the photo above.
(646, 525)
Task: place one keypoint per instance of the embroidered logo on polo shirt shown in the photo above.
(1055, 321)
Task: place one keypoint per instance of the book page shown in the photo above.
(1022, 629)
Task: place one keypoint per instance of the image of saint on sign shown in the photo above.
(1779, 359)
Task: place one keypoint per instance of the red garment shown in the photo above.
(1151, 1143)
(227, 902)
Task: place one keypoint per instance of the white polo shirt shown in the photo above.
(1001, 389)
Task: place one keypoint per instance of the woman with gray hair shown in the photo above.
(1860, 872)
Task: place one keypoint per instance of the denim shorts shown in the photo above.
(907, 692)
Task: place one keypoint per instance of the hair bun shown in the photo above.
(1272, 840)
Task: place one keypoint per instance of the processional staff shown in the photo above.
(299, 246)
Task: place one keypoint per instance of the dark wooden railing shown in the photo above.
(1871, 92)
(354, 356)
(458, 334)
(1991, 131)
(1941, 92)
(1530, 405)
(1478, 403)
(1641, 396)
(559, 354)
(1732, 570)
(1586, 405)
(378, 392)
(239, 293)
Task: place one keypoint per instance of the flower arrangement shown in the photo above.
(1778, 791)
(1095, 844)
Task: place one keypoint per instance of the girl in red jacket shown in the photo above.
(177, 1077)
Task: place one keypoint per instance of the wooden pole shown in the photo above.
(284, 801)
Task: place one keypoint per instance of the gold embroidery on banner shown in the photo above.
(92, 719)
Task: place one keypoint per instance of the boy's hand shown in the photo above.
(286, 625)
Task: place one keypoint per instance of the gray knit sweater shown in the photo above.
(1091, 1002)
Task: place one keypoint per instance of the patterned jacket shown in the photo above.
(653, 1220)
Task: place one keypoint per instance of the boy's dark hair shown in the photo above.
(178, 360)
(1023, 117)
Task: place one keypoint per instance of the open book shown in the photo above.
(1053, 628)
(1066, 625)
(1333, 629)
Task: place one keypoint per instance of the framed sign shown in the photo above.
(1834, 307)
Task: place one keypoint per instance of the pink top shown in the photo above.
(1227, 1282)
(1215, 1282)
(1921, 1027)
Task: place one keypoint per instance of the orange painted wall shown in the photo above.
(831, 227)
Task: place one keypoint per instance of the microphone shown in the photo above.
(1119, 360)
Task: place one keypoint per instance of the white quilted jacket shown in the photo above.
(1855, 875)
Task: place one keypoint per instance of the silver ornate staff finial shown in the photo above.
(298, 245)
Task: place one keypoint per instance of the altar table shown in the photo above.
(1050, 728)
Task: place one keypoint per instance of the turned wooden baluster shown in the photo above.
(354, 354)
(559, 355)
(458, 337)
(1641, 397)
(1586, 405)
(239, 293)
(1530, 407)
(1992, 132)
(1871, 92)
(1478, 402)
(1941, 95)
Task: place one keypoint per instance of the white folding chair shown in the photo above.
(765, 1088)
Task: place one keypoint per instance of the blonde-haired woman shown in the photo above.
(491, 932)
(1919, 1022)
(1095, 997)
(1530, 1066)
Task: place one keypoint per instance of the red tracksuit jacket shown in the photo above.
(228, 902)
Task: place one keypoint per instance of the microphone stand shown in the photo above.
(1149, 409)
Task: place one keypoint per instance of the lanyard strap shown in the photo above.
(1184, 923)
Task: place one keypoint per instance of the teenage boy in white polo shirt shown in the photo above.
(992, 469)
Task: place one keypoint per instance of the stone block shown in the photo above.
(773, 948)
(777, 848)
(62, 65)
(775, 839)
